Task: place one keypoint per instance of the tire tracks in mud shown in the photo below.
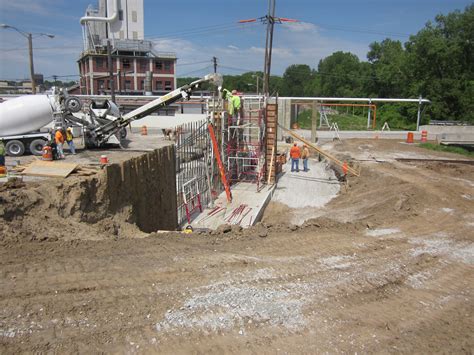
(389, 280)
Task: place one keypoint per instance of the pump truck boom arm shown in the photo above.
(103, 132)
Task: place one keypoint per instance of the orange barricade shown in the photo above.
(104, 159)
(424, 136)
(47, 153)
(410, 137)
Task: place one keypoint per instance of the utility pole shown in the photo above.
(29, 37)
(214, 59)
(119, 82)
(111, 71)
(32, 68)
(270, 18)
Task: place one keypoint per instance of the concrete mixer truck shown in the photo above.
(22, 118)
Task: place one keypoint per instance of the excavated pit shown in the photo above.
(127, 199)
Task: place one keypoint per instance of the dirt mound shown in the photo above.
(75, 208)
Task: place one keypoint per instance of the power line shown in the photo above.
(36, 48)
(237, 69)
(359, 30)
(195, 71)
(216, 31)
(183, 64)
(190, 30)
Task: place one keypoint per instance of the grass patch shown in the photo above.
(345, 122)
(348, 122)
(446, 148)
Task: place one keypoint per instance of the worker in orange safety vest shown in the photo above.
(59, 139)
(295, 154)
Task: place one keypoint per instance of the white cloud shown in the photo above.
(302, 46)
(55, 56)
(299, 26)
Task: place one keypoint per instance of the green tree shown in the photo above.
(342, 74)
(441, 62)
(388, 68)
(295, 80)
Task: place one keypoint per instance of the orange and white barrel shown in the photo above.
(47, 153)
(410, 137)
(424, 136)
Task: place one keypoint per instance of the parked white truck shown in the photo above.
(22, 118)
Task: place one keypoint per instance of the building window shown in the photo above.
(126, 63)
(143, 65)
(120, 15)
(122, 35)
(99, 62)
(159, 65)
(134, 16)
(135, 35)
(142, 83)
(167, 66)
(101, 84)
(167, 85)
(159, 85)
(128, 85)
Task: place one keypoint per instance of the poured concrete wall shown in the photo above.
(146, 185)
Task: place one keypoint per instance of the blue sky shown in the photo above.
(198, 30)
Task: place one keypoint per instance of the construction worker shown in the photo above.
(233, 106)
(295, 157)
(2, 153)
(70, 141)
(305, 156)
(59, 140)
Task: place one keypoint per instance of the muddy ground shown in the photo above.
(387, 266)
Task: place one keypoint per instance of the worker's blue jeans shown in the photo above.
(72, 147)
(2, 160)
(305, 164)
(294, 164)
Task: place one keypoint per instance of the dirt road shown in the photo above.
(387, 266)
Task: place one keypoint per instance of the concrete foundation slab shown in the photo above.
(245, 210)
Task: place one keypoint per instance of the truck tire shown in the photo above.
(123, 133)
(36, 147)
(73, 104)
(15, 148)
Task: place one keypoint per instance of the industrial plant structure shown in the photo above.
(136, 67)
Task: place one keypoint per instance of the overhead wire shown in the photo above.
(313, 72)
(195, 71)
(190, 30)
(216, 31)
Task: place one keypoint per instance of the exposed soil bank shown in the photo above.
(120, 200)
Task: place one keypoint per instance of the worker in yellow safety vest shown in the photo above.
(233, 106)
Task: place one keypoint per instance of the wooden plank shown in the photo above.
(320, 151)
(270, 171)
(50, 168)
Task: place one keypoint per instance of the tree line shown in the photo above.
(437, 63)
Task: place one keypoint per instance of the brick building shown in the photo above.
(120, 22)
